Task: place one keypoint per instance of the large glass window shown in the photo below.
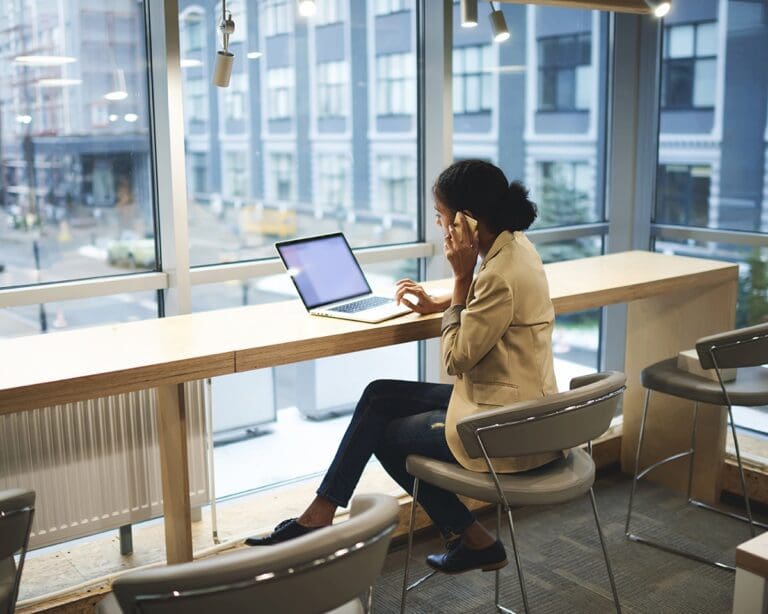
(565, 75)
(690, 61)
(75, 181)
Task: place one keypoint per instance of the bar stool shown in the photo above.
(745, 349)
(557, 422)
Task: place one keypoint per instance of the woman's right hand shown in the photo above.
(426, 302)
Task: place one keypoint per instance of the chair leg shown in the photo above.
(369, 600)
(498, 572)
(410, 544)
(693, 448)
(741, 473)
(605, 552)
(637, 461)
(526, 609)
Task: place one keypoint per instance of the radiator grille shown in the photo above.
(95, 465)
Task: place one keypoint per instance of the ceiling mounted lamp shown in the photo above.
(44, 60)
(58, 82)
(307, 8)
(468, 13)
(222, 71)
(118, 91)
(659, 7)
(499, 25)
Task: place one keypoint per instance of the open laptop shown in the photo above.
(330, 281)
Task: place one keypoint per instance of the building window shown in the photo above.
(384, 7)
(192, 31)
(332, 82)
(280, 93)
(234, 97)
(564, 193)
(690, 62)
(199, 170)
(277, 17)
(472, 86)
(196, 99)
(330, 11)
(235, 174)
(396, 184)
(395, 84)
(281, 176)
(682, 194)
(333, 182)
(565, 72)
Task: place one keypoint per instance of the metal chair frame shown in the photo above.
(29, 509)
(507, 510)
(144, 600)
(691, 452)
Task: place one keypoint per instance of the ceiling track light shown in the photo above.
(499, 25)
(307, 8)
(222, 71)
(659, 7)
(119, 90)
(468, 13)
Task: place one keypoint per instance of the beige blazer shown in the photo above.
(499, 346)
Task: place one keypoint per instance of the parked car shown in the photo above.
(132, 253)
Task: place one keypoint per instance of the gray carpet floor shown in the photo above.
(563, 563)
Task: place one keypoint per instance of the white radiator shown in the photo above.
(95, 465)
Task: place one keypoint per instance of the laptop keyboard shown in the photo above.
(362, 304)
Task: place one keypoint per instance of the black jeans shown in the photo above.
(392, 420)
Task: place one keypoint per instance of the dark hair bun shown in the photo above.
(481, 188)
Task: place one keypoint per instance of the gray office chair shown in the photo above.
(17, 508)
(745, 349)
(322, 571)
(562, 421)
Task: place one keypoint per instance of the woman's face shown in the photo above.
(443, 217)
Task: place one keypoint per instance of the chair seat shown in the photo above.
(750, 387)
(556, 482)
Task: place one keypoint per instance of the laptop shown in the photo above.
(330, 281)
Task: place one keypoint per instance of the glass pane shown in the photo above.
(712, 149)
(74, 141)
(287, 107)
(562, 73)
(681, 41)
(66, 315)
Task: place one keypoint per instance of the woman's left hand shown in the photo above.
(461, 248)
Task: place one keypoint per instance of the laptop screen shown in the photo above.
(323, 269)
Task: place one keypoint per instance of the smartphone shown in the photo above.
(471, 222)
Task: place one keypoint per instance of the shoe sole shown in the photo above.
(489, 567)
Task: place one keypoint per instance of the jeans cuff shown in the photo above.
(320, 492)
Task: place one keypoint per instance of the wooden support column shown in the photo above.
(659, 327)
(172, 433)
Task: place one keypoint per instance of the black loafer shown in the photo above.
(459, 558)
(287, 529)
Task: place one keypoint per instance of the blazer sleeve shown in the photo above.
(468, 333)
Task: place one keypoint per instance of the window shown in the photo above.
(332, 79)
(199, 170)
(395, 84)
(682, 194)
(472, 84)
(73, 194)
(564, 192)
(192, 30)
(565, 73)
(333, 182)
(383, 7)
(235, 174)
(396, 184)
(282, 176)
(690, 62)
(196, 100)
(330, 11)
(234, 97)
(280, 93)
(277, 16)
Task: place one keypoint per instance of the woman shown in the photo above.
(496, 340)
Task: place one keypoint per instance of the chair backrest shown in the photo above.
(743, 347)
(556, 422)
(314, 573)
(17, 507)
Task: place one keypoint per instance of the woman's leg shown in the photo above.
(381, 402)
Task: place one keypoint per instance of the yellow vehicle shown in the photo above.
(271, 222)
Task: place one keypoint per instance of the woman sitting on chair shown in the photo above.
(496, 340)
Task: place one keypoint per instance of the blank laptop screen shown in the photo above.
(323, 269)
